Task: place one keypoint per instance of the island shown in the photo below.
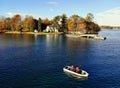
(74, 25)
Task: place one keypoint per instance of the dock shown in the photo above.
(93, 36)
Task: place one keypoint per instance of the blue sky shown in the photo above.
(104, 11)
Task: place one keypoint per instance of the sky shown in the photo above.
(106, 12)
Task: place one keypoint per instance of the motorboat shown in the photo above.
(82, 74)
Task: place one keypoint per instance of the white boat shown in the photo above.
(83, 73)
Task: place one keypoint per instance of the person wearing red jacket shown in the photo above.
(77, 70)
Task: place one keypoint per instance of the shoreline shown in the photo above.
(38, 33)
(87, 36)
(73, 35)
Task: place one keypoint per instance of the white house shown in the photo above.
(47, 29)
(51, 29)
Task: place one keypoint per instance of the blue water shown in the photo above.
(36, 61)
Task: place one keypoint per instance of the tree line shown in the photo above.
(74, 23)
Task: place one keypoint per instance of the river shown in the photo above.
(37, 61)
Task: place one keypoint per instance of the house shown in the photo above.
(51, 29)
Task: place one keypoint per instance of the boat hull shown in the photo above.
(83, 74)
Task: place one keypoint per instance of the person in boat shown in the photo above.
(72, 68)
(78, 70)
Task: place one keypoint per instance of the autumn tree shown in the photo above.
(2, 24)
(28, 24)
(81, 25)
(7, 22)
(72, 23)
(47, 22)
(16, 22)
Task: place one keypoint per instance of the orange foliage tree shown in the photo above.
(82, 25)
(47, 22)
(15, 22)
(72, 23)
(2, 26)
(28, 23)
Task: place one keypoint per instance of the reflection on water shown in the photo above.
(52, 39)
(16, 40)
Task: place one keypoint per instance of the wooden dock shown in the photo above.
(93, 36)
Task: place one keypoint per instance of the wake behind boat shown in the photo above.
(82, 74)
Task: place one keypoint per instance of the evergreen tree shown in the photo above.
(39, 25)
(64, 23)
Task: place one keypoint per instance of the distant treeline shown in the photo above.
(62, 23)
(110, 27)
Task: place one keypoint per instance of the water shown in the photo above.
(36, 61)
